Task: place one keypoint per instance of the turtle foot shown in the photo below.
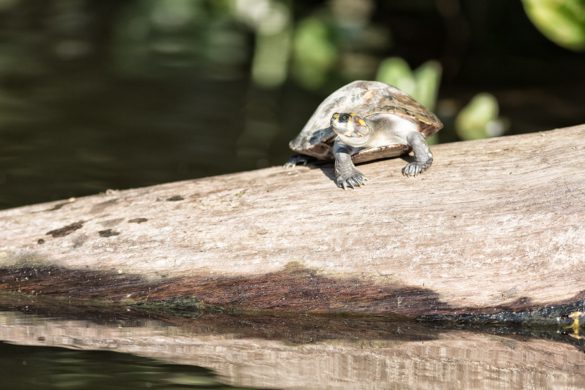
(352, 180)
(297, 160)
(415, 168)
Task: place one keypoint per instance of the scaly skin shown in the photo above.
(423, 157)
(346, 174)
(366, 121)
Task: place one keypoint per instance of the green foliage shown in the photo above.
(395, 71)
(561, 21)
(271, 56)
(314, 52)
(272, 51)
(480, 118)
(422, 83)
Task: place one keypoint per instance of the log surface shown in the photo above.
(494, 225)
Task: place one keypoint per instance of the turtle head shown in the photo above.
(351, 128)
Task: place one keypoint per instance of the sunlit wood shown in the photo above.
(493, 222)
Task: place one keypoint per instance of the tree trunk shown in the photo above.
(493, 231)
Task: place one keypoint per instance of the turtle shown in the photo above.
(365, 121)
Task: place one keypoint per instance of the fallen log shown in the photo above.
(492, 232)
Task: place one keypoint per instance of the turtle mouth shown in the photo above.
(354, 139)
(351, 129)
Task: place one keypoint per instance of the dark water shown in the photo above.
(85, 105)
(48, 368)
(82, 134)
(118, 94)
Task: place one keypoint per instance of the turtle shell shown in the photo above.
(364, 98)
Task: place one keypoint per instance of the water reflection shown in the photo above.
(28, 368)
(308, 353)
(118, 94)
(125, 134)
(98, 95)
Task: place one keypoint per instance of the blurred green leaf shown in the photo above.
(314, 52)
(422, 84)
(273, 36)
(270, 62)
(7, 4)
(480, 118)
(561, 21)
(428, 78)
(395, 71)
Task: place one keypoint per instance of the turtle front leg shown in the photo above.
(346, 174)
(423, 158)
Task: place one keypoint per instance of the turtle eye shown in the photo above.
(344, 117)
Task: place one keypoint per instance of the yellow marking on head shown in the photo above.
(362, 122)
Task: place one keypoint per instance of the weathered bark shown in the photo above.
(495, 226)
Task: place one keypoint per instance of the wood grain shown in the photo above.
(494, 223)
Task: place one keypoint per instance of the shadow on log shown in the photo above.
(492, 232)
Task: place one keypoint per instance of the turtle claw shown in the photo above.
(414, 168)
(354, 180)
(297, 160)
